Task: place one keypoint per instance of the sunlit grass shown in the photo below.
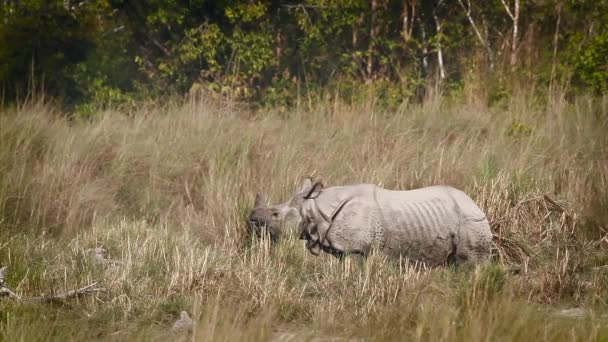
(167, 190)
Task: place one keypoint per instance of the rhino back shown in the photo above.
(332, 197)
(427, 224)
(438, 220)
(420, 223)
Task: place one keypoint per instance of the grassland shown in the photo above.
(166, 190)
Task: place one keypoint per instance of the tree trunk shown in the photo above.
(372, 41)
(439, 50)
(279, 49)
(407, 18)
(405, 23)
(485, 42)
(515, 37)
(515, 34)
(425, 51)
(558, 10)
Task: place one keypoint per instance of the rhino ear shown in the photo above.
(306, 185)
(260, 200)
(315, 191)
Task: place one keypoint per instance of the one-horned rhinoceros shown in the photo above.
(282, 219)
(434, 225)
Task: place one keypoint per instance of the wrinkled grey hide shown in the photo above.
(279, 220)
(2, 275)
(435, 225)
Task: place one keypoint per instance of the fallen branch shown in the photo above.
(59, 297)
(64, 295)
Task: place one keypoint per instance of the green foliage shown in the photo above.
(591, 64)
(41, 41)
(489, 168)
(518, 128)
(486, 284)
(108, 53)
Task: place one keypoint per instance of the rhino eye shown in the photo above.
(275, 215)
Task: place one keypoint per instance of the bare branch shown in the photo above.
(482, 41)
(508, 9)
(467, 11)
(58, 297)
(158, 44)
(63, 295)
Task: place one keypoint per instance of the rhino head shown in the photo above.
(279, 220)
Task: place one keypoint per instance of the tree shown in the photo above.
(514, 15)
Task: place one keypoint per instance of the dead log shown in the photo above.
(59, 297)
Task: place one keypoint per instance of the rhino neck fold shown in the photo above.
(324, 240)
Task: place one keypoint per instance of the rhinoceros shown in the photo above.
(434, 225)
(280, 220)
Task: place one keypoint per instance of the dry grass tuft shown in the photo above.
(165, 192)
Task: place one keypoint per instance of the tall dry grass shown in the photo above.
(166, 190)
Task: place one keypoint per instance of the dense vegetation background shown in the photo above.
(111, 52)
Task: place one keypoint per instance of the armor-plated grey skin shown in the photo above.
(279, 220)
(282, 219)
(2, 275)
(435, 225)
